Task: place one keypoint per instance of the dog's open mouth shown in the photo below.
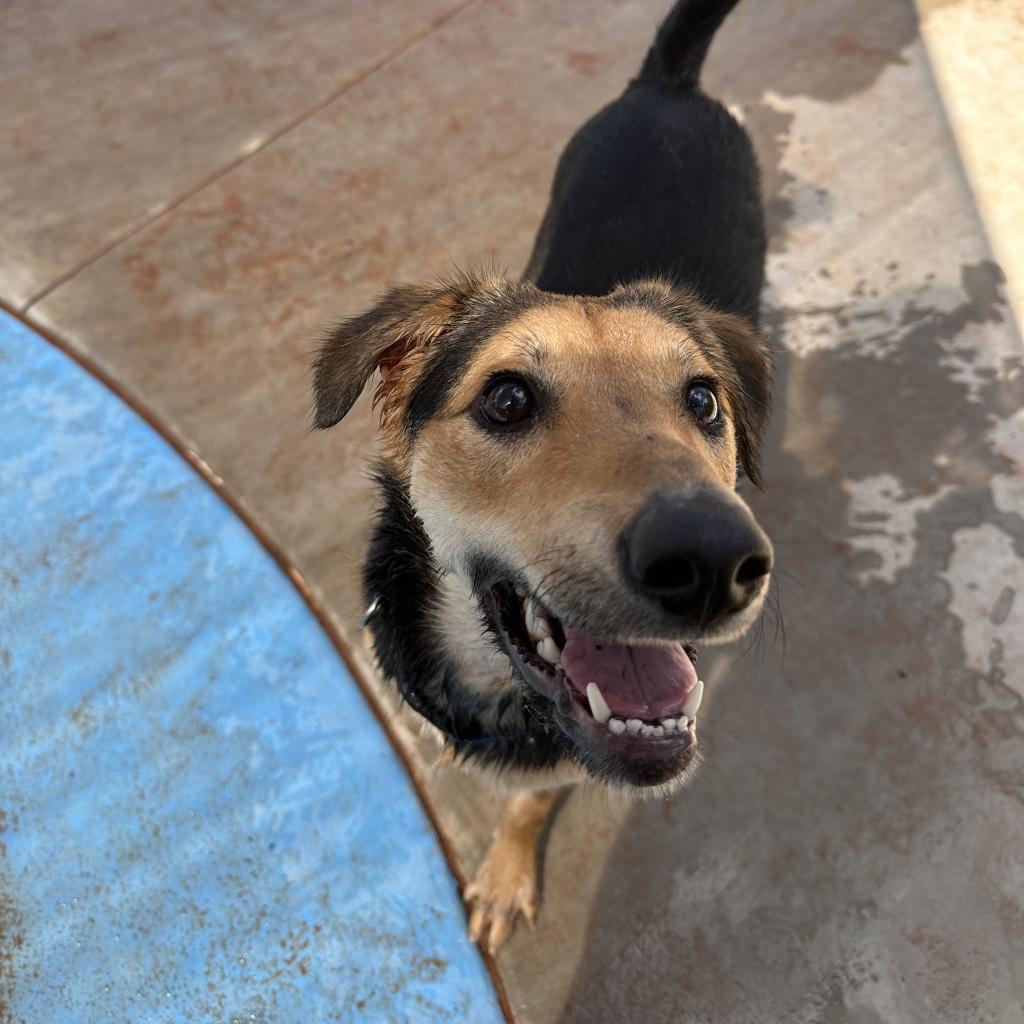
(637, 700)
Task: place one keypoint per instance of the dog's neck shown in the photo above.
(429, 639)
(468, 644)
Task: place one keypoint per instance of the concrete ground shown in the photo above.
(190, 192)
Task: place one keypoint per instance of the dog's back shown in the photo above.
(661, 182)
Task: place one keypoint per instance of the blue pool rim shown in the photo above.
(277, 554)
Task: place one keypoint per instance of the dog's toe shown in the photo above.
(503, 890)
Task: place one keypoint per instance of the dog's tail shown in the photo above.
(678, 51)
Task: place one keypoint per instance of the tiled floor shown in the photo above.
(852, 850)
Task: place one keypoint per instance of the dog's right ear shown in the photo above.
(404, 323)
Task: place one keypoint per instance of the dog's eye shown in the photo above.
(507, 402)
(703, 405)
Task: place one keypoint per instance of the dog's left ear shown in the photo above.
(403, 324)
(744, 363)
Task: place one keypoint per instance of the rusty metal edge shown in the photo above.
(276, 552)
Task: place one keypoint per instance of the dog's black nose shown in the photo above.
(696, 552)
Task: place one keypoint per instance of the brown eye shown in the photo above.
(702, 404)
(507, 402)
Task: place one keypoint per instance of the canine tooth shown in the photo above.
(598, 705)
(669, 724)
(633, 725)
(548, 650)
(617, 726)
(693, 701)
(520, 592)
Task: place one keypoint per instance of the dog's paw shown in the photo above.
(504, 888)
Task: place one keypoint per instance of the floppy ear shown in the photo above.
(405, 320)
(744, 363)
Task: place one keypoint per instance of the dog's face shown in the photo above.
(575, 460)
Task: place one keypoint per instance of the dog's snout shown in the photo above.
(696, 552)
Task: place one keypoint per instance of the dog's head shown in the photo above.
(575, 459)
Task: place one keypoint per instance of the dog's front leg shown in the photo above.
(506, 883)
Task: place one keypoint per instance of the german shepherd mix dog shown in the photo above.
(559, 524)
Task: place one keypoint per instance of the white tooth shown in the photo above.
(693, 701)
(548, 650)
(659, 730)
(598, 705)
(617, 726)
(633, 725)
(646, 730)
(537, 627)
(684, 725)
(670, 724)
(537, 624)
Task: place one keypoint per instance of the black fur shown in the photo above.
(682, 42)
(661, 183)
(399, 574)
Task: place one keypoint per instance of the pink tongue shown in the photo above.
(636, 680)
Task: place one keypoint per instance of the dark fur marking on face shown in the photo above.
(399, 334)
(447, 367)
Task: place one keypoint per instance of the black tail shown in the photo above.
(682, 42)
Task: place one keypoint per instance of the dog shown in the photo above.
(559, 524)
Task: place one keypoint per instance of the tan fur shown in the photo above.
(618, 371)
(566, 491)
(506, 883)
